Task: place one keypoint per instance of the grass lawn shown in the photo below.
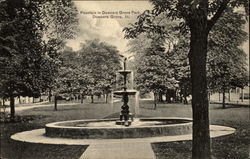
(235, 146)
(36, 118)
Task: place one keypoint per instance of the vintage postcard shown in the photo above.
(118, 79)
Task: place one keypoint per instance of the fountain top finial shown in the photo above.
(124, 63)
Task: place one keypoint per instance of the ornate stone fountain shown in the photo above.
(125, 116)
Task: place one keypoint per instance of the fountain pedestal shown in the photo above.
(125, 116)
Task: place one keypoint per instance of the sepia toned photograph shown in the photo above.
(124, 79)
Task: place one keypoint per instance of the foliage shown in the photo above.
(60, 23)
(198, 17)
(180, 65)
(226, 63)
(176, 68)
(163, 73)
(29, 62)
(153, 72)
(100, 62)
(24, 46)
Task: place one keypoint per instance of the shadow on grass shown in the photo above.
(11, 149)
(173, 150)
(219, 107)
(22, 150)
(234, 146)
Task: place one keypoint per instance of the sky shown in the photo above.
(109, 30)
(93, 26)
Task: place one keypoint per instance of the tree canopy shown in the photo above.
(25, 54)
(100, 61)
(198, 17)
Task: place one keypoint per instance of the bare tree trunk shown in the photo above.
(82, 98)
(185, 95)
(19, 100)
(197, 59)
(229, 96)
(223, 99)
(92, 98)
(106, 97)
(185, 100)
(104, 94)
(55, 103)
(209, 95)
(160, 97)
(242, 95)
(155, 100)
(12, 108)
(168, 98)
(174, 96)
(166, 95)
(50, 95)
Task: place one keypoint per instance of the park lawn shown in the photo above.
(36, 118)
(233, 146)
(11, 149)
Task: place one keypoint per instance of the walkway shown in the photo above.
(130, 150)
(137, 148)
(35, 105)
(22, 107)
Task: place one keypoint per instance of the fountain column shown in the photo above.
(125, 108)
(125, 116)
(132, 80)
(137, 111)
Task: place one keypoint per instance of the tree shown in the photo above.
(72, 80)
(25, 51)
(147, 42)
(152, 70)
(21, 45)
(66, 84)
(101, 62)
(226, 61)
(61, 23)
(180, 65)
(226, 64)
(199, 16)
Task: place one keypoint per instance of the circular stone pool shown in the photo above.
(107, 129)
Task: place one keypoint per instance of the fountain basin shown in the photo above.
(128, 92)
(107, 129)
